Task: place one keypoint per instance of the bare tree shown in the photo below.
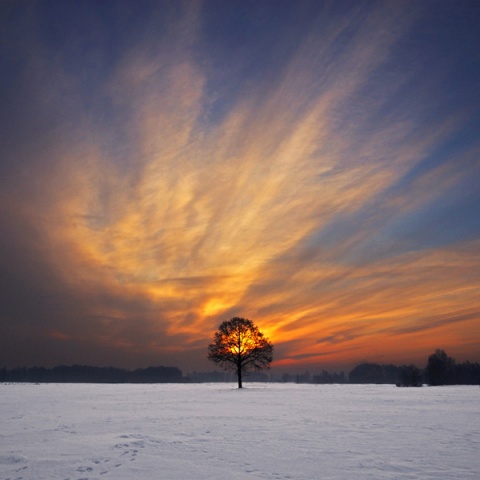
(238, 345)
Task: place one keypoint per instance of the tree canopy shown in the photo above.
(440, 369)
(240, 346)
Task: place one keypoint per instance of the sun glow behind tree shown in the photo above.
(239, 345)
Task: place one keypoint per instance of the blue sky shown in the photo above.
(312, 166)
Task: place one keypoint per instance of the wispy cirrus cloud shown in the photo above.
(150, 202)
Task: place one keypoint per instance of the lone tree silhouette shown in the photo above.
(240, 346)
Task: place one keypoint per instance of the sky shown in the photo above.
(313, 166)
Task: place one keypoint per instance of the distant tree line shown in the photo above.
(88, 374)
(404, 375)
(440, 370)
(215, 376)
(323, 377)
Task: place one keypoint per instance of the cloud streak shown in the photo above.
(144, 202)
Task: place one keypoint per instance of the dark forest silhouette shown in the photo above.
(88, 374)
(439, 370)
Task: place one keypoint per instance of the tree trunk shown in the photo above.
(239, 373)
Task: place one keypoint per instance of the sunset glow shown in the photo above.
(312, 166)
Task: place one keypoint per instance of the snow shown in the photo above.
(215, 431)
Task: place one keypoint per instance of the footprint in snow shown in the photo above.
(84, 469)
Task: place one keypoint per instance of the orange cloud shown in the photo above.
(286, 210)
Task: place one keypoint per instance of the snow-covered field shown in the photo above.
(215, 431)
